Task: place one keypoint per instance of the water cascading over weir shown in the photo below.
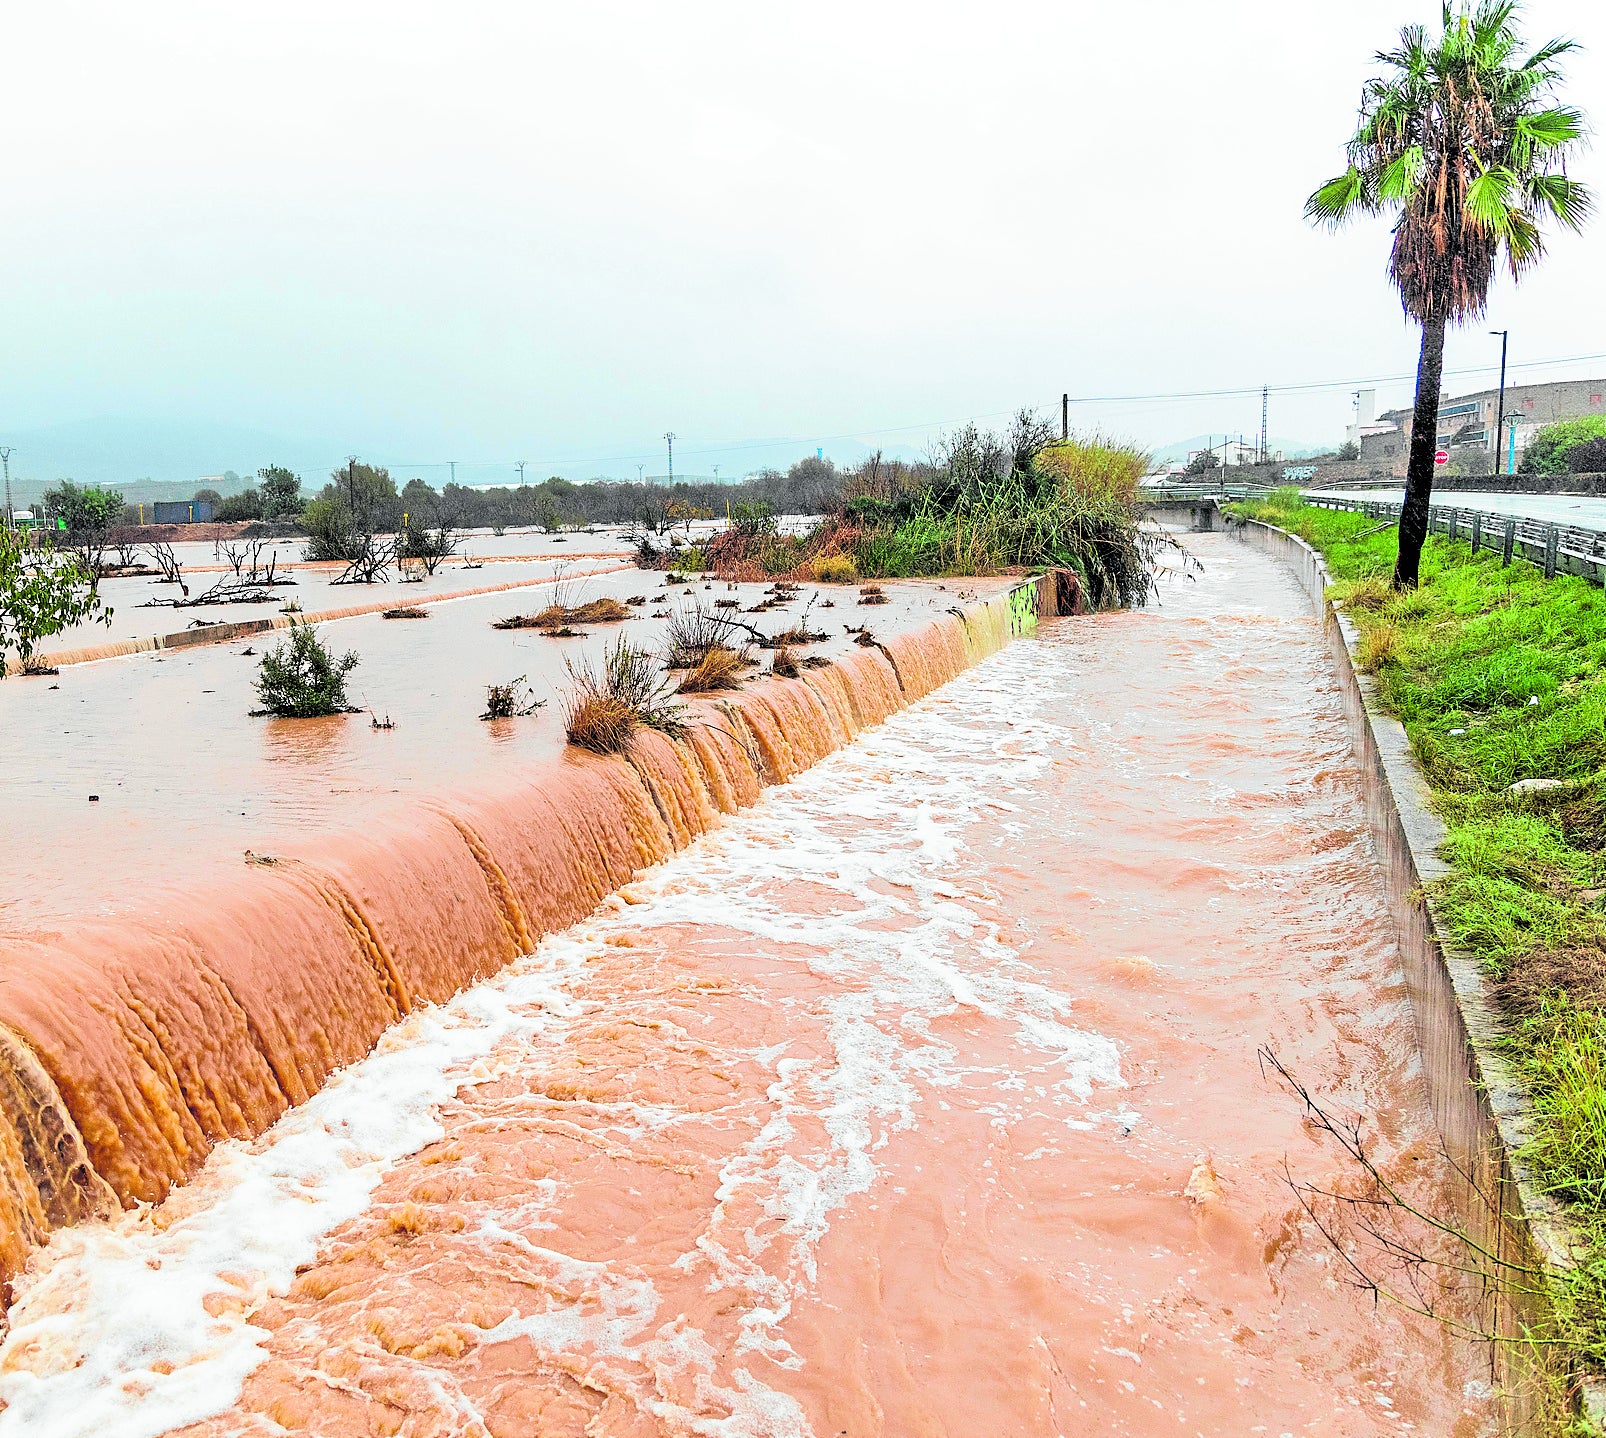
(128, 1049)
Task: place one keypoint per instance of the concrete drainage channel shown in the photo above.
(1481, 1109)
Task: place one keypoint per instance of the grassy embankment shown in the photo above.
(990, 506)
(1499, 676)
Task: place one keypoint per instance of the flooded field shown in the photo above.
(920, 1097)
(142, 604)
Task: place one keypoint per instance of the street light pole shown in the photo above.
(1500, 414)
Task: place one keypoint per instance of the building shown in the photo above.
(1467, 423)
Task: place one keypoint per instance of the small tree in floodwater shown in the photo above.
(301, 679)
(41, 593)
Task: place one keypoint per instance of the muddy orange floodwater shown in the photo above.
(921, 1098)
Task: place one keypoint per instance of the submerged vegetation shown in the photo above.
(986, 504)
(513, 700)
(301, 678)
(1499, 677)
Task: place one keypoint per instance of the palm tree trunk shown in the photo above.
(1424, 445)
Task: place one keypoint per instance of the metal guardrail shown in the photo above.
(1194, 493)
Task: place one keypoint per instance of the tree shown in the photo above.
(1461, 141)
(281, 492)
(41, 593)
(84, 511)
(207, 496)
(247, 504)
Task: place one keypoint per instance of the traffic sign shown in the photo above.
(1442, 457)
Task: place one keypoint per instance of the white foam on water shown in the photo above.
(904, 940)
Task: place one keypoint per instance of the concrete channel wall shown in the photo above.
(1482, 1110)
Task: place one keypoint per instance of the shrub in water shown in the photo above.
(512, 700)
(301, 679)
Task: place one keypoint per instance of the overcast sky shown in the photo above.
(527, 230)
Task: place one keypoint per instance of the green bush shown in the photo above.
(301, 679)
(245, 505)
(1547, 450)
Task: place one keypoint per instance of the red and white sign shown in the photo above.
(1442, 457)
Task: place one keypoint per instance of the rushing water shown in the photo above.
(921, 1098)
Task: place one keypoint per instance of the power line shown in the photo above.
(1313, 385)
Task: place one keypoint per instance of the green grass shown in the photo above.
(1497, 675)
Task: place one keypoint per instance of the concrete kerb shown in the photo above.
(1481, 1108)
(243, 628)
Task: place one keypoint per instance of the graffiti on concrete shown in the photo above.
(1023, 608)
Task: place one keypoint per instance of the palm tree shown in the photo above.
(1460, 138)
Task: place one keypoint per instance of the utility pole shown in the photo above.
(640, 471)
(351, 484)
(1265, 395)
(5, 459)
(519, 465)
(669, 439)
(716, 474)
(1500, 416)
(1065, 416)
(453, 464)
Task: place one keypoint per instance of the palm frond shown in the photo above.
(1569, 201)
(1340, 199)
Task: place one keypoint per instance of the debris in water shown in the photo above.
(1203, 1184)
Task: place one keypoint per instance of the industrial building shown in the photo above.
(1467, 423)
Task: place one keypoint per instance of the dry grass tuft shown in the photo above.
(407, 611)
(784, 664)
(601, 723)
(872, 594)
(719, 668)
(1379, 647)
(1368, 594)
